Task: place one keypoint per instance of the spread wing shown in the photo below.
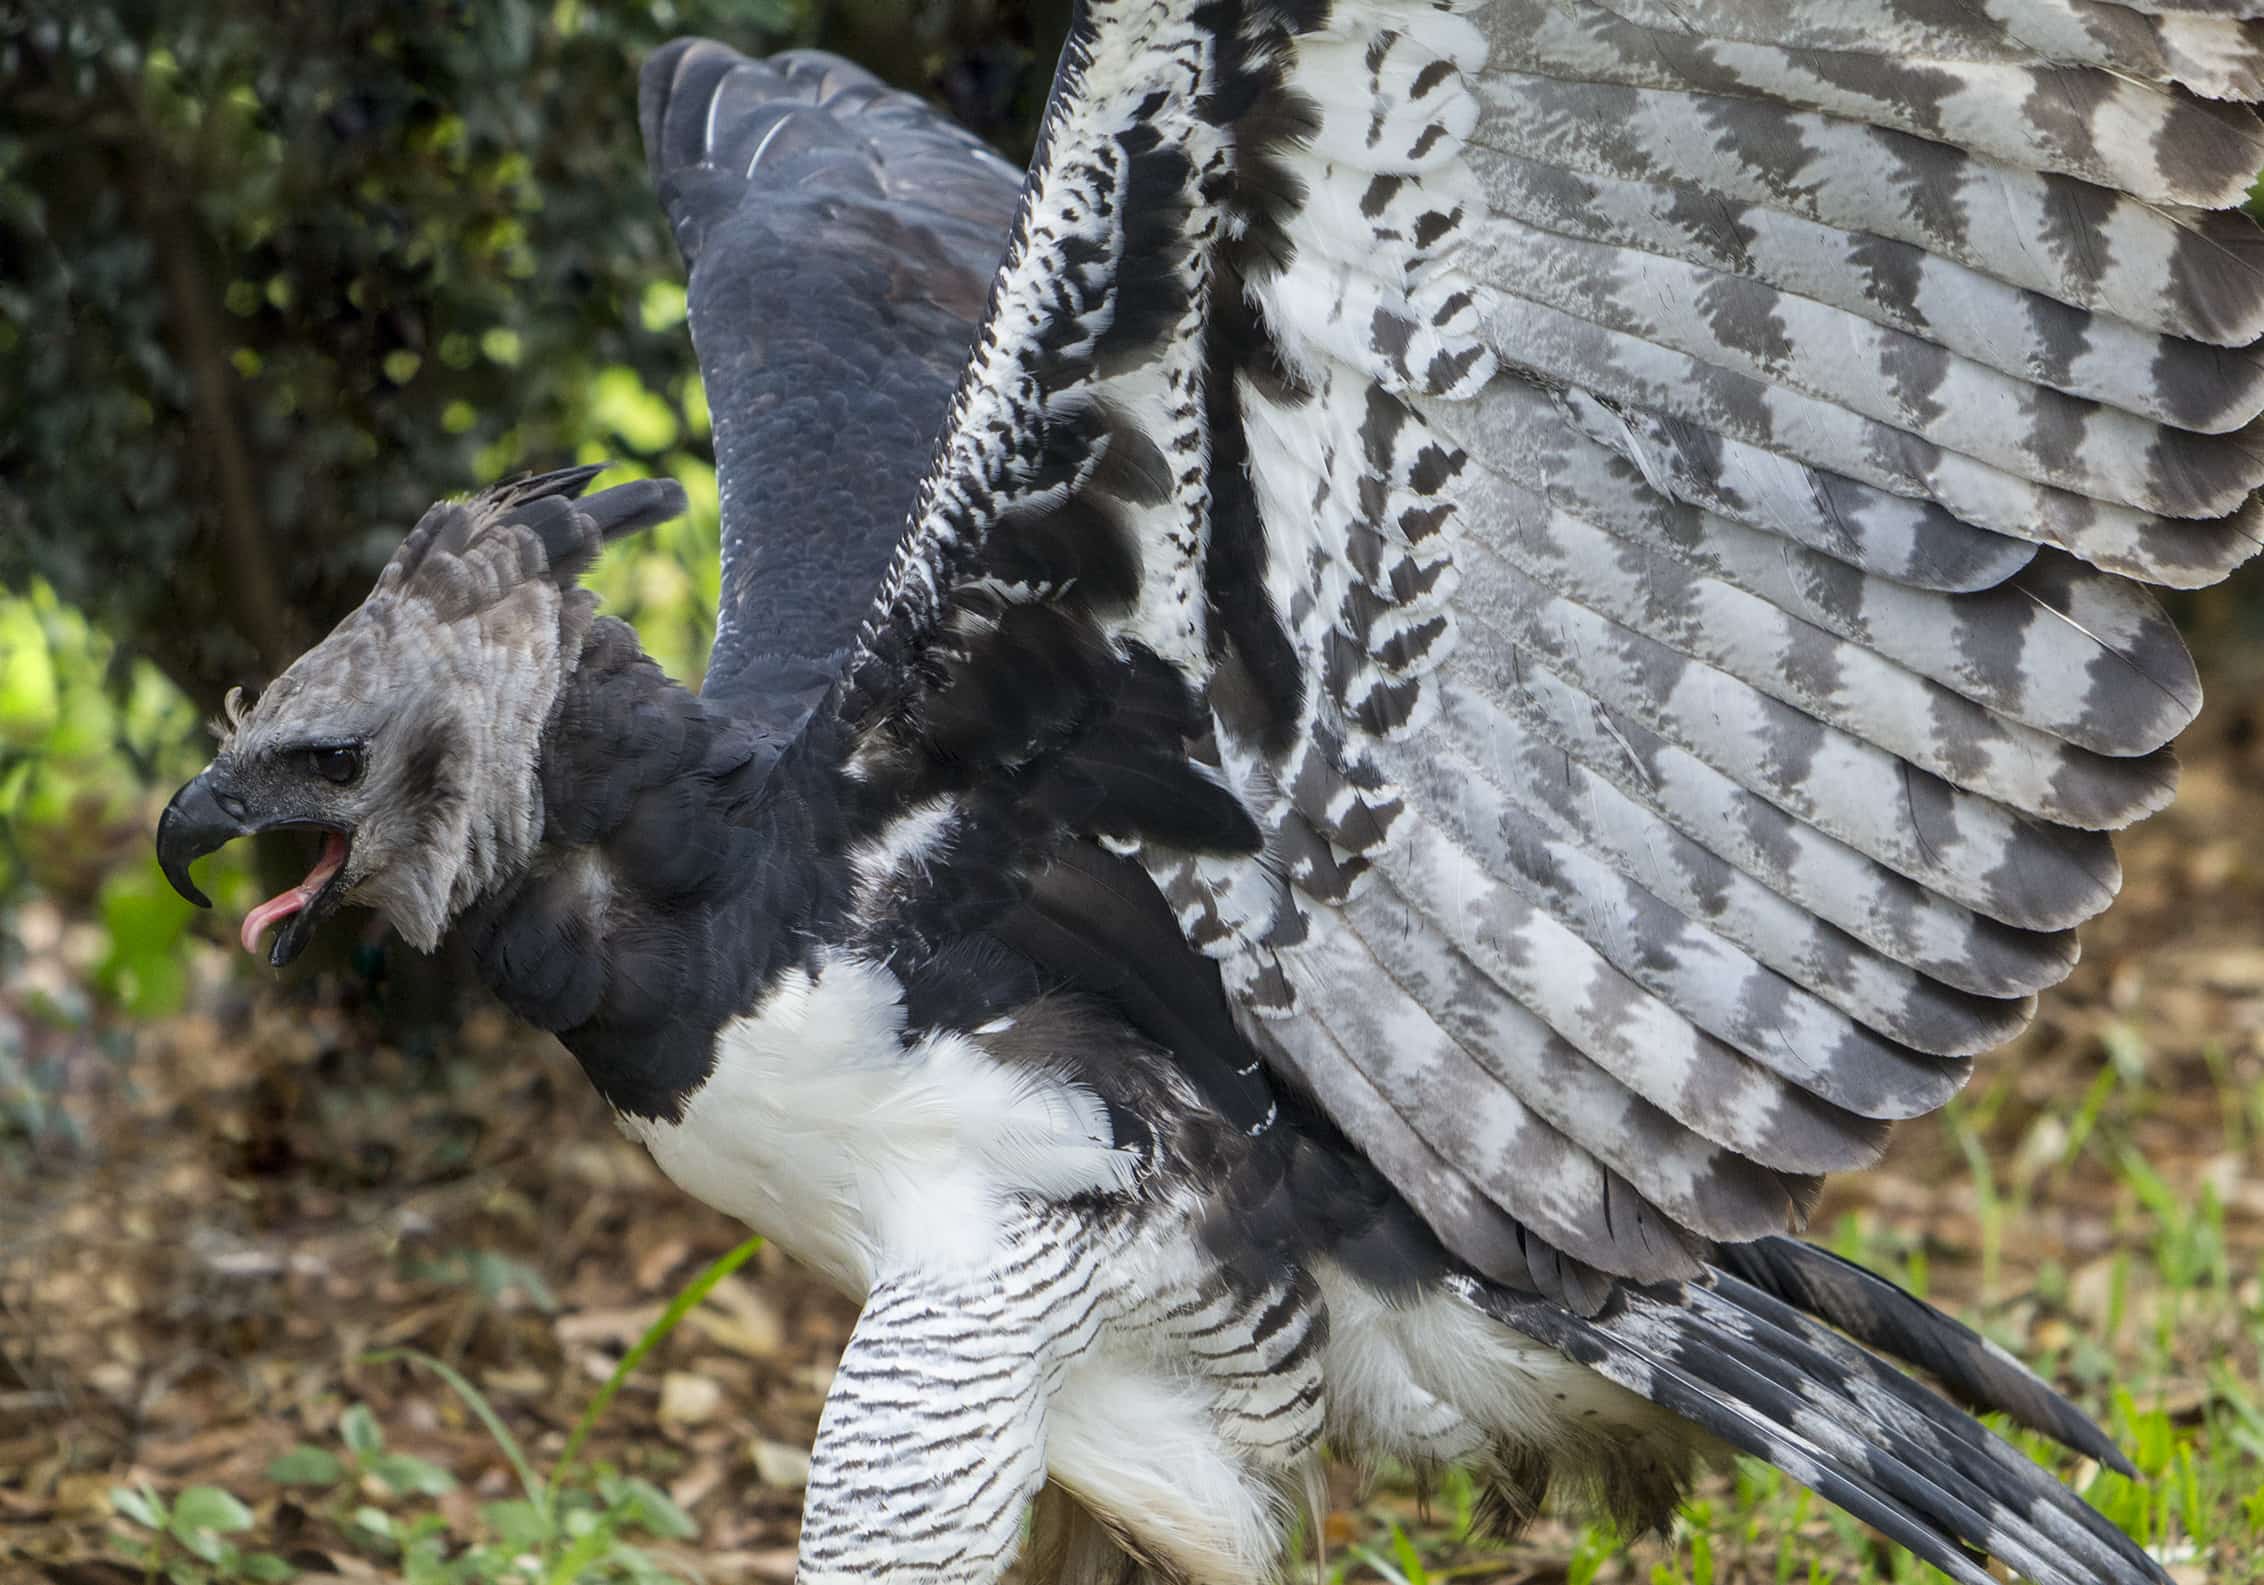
(1600, 557)
(841, 240)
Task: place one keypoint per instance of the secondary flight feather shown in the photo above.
(1356, 727)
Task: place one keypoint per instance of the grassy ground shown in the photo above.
(222, 1231)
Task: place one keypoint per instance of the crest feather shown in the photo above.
(464, 554)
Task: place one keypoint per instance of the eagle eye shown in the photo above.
(340, 765)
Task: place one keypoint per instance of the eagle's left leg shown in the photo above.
(932, 1442)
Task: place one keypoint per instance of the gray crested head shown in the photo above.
(408, 740)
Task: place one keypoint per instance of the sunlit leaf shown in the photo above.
(620, 403)
(409, 1475)
(208, 1508)
(140, 1504)
(28, 696)
(306, 1465)
(359, 1430)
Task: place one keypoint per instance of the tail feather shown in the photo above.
(2014, 1492)
(1881, 1316)
(1749, 1369)
(1658, 1380)
(1920, 1469)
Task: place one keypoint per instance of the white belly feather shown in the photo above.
(862, 1153)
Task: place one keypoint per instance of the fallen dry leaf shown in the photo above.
(686, 1399)
(780, 1465)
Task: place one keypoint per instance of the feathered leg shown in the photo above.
(933, 1438)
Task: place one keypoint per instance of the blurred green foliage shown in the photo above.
(285, 275)
(272, 279)
(277, 277)
(83, 731)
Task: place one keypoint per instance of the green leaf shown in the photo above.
(28, 698)
(211, 1548)
(410, 1476)
(662, 307)
(639, 1569)
(619, 401)
(140, 1504)
(306, 1465)
(266, 1567)
(359, 1430)
(518, 1525)
(1377, 1561)
(494, 1275)
(1410, 1559)
(424, 1526)
(639, 1502)
(208, 1508)
(591, 1545)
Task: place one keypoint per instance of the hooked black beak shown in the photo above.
(205, 816)
(199, 820)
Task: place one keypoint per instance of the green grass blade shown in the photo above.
(1376, 1561)
(679, 1307)
(476, 1401)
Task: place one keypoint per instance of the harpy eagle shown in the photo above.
(1356, 727)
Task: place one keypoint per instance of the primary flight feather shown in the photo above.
(1355, 729)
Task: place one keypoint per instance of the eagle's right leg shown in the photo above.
(933, 1439)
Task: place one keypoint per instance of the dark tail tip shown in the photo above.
(1882, 1316)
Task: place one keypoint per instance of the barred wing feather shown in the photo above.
(1610, 547)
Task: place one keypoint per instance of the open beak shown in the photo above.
(202, 819)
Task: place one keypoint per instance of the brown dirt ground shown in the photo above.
(256, 1199)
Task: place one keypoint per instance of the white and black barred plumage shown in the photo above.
(1359, 726)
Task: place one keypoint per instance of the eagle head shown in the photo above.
(407, 742)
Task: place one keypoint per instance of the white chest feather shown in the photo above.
(862, 1152)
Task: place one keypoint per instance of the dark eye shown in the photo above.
(340, 765)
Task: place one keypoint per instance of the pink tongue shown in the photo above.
(290, 902)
